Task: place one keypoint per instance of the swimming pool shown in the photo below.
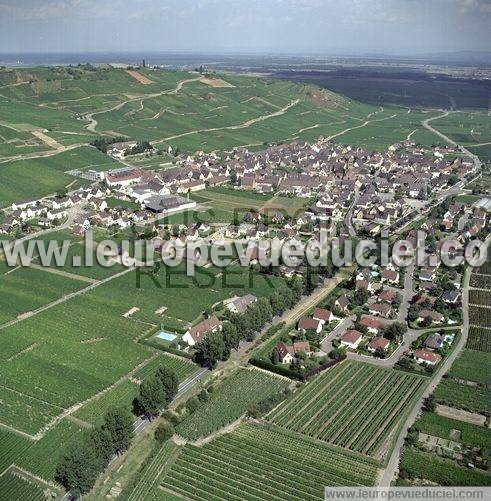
(166, 336)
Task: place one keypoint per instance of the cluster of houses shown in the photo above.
(430, 353)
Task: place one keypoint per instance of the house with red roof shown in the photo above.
(322, 315)
(309, 323)
(378, 343)
(351, 339)
(288, 353)
(373, 324)
(427, 357)
(199, 331)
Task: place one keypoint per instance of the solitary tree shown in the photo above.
(164, 431)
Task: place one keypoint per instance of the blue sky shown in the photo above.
(326, 26)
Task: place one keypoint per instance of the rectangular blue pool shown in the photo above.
(166, 336)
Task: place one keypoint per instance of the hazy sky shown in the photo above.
(329, 26)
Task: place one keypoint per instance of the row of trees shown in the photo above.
(156, 393)
(244, 327)
(86, 457)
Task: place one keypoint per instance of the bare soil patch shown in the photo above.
(216, 82)
(139, 77)
(460, 415)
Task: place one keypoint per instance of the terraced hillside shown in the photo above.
(48, 116)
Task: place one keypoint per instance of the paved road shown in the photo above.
(392, 465)
(344, 325)
(426, 124)
(348, 219)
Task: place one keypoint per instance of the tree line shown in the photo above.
(87, 456)
(245, 326)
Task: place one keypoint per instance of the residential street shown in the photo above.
(392, 465)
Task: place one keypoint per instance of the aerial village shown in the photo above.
(376, 313)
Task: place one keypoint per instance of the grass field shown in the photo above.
(352, 405)
(229, 401)
(234, 466)
(423, 465)
(471, 365)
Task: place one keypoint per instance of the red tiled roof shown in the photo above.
(427, 356)
(322, 314)
(351, 336)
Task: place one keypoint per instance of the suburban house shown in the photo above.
(427, 357)
(451, 297)
(342, 302)
(240, 304)
(199, 331)
(373, 324)
(434, 341)
(390, 276)
(288, 353)
(351, 339)
(322, 315)
(381, 309)
(309, 323)
(378, 343)
(434, 316)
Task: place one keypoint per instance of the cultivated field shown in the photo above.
(480, 315)
(123, 394)
(38, 177)
(462, 396)
(229, 401)
(26, 289)
(14, 487)
(471, 366)
(444, 427)
(423, 465)
(479, 339)
(352, 405)
(257, 462)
